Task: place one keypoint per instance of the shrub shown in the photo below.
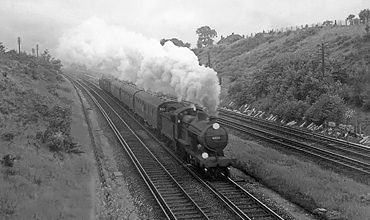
(327, 107)
(60, 78)
(366, 105)
(366, 37)
(291, 109)
(8, 206)
(8, 136)
(57, 135)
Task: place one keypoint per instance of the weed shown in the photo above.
(7, 136)
(42, 109)
(34, 75)
(4, 110)
(346, 44)
(365, 199)
(8, 171)
(52, 90)
(57, 134)
(60, 78)
(366, 37)
(37, 180)
(7, 206)
(112, 206)
(65, 89)
(66, 100)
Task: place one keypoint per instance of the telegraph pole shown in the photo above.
(323, 60)
(19, 47)
(209, 59)
(37, 51)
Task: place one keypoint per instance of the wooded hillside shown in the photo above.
(320, 73)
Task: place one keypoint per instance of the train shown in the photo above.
(197, 138)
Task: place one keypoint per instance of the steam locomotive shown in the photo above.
(196, 137)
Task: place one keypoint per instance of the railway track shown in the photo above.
(242, 204)
(171, 197)
(346, 147)
(355, 160)
(242, 201)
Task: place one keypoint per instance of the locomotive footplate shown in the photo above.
(212, 162)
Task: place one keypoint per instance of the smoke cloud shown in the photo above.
(145, 62)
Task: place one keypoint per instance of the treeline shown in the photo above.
(36, 66)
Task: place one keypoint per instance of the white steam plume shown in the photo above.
(132, 57)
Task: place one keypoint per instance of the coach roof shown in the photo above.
(116, 84)
(129, 88)
(149, 98)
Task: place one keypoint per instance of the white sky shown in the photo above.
(43, 21)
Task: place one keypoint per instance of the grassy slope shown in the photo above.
(40, 184)
(246, 55)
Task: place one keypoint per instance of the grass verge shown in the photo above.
(300, 181)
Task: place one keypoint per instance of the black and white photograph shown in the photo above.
(174, 109)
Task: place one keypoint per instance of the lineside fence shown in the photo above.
(335, 23)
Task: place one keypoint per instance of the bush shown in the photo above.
(291, 110)
(8, 136)
(8, 205)
(57, 135)
(366, 105)
(327, 107)
(366, 37)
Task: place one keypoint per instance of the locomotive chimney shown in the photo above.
(202, 116)
(212, 118)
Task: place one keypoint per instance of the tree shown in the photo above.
(327, 23)
(229, 39)
(46, 55)
(2, 48)
(350, 18)
(364, 16)
(176, 42)
(327, 107)
(205, 36)
(57, 64)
